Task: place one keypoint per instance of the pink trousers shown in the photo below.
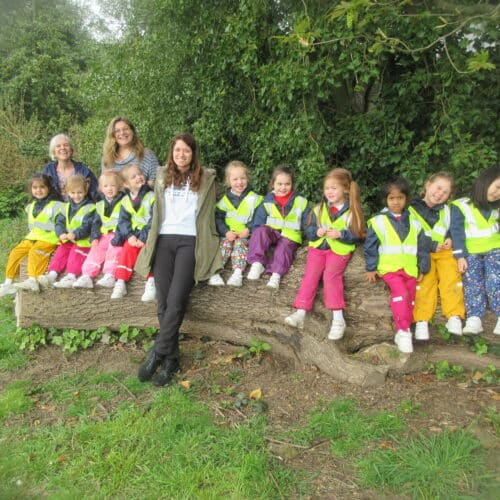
(69, 257)
(104, 254)
(329, 266)
(403, 288)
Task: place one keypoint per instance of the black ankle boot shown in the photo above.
(168, 368)
(149, 367)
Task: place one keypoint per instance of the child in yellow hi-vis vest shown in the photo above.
(41, 241)
(233, 214)
(433, 212)
(397, 250)
(476, 246)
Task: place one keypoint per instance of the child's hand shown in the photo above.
(371, 276)
(244, 234)
(94, 243)
(140, 244)
(63, 236)
(70, 236)
(321, 232)
(231, 235)
(132, 241)
(333, 234)
(462, 265)
(447, 245)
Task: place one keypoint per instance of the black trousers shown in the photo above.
(173, 270)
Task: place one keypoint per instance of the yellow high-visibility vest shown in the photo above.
(108, 223)
(76, 222)
(237, 219)
(42, 227)
(289, 226)
(142, 216)
(441, 227)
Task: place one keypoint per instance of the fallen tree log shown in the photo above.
(239, 315)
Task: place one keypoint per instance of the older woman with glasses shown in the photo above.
(122, 146)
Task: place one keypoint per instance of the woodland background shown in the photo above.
(379, 87)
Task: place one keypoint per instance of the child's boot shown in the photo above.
(454, 325)
(119, 290)
(149, 294)
(216, 280)
(66, 282)
(256, 270)
(83, 281)
(47, 280)
(403, 341)
(422, 330)
(473, 325)
(236, 279)
(274, 281)
(336, 330)
(296, 319)
(7, 289)
(107, 281)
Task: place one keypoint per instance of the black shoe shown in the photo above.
(149, 367)
(168, 368)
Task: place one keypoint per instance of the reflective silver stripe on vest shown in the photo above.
(282, 223)
(471, 230)
(79, 216)
(404, 248)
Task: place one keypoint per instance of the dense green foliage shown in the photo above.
(382, 88)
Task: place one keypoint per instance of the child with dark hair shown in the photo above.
(41, 241)
(476, 242)
(278, 224)
(397, 250)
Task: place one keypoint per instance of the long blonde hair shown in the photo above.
(344, 178)
(110, 146)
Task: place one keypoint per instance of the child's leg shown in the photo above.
(283, 255)
(315, 266)
(402, 296)
(333, 280)
(38, 258)
(492, 273)
(226, 247)
(60, 257)
(450, 285)
(474, 286)
(76, 259)
(427, 293)
(111, 259)
(92, 265)
(260, 242)
(239, 254)
(16, 255)
(126, 262)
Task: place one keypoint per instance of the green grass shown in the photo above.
(445, 465)
(348, 429)
(14, 400)
(169, 449)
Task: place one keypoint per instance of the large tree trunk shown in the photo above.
(239, 315)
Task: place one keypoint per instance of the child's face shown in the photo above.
(123, 134)
(135, 179)
(39, 190)
(396, 201)
(334, 192)
(438, 191)
(182, 155)
(109, 186)
(237, 180)
(493, 193)
(77, 194)
(282, 184)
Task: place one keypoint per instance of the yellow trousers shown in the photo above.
(443, 276)
(38, 253)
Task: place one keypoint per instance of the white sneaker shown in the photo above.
(337, 330)
(83, 281)
(422, 330)
(216, 280)
(496, 331)
(274, 281)
(236, 279)
(47, 280)
(256, 270)
(296, 320)
(454, 325)
(31, 284)
(66, 282)
(107, 281)
(403, 340)
(473, 325)
(149, 294)
(7, 289)
(119, 290)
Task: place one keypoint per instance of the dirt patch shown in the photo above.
(218, 375)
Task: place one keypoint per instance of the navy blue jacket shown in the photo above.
(402, 227)
(95, 232)
(124, 229)
(260, 216)
(84, 230)
(80, 169)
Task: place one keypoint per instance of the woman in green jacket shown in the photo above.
(182, 249)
